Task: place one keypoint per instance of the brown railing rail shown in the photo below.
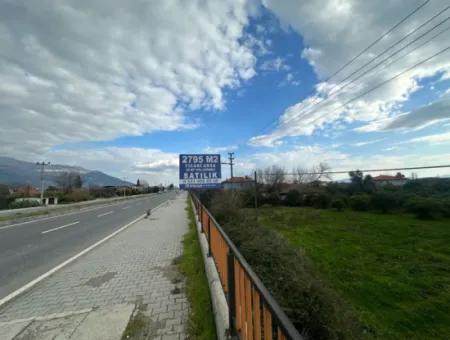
(253, 312)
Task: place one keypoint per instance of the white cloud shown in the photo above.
(152, 165)
(83, 71)
(219, 149)
(334, 31)
(276, 64)
(439, 138)
(308, 156)
(417, 119)
(368, 142)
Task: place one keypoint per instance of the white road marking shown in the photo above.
(106, 213)
(126, 207)
(65, 263)
(73, 258)
(82, 210)
(64, 226)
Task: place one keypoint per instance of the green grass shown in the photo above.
(201, 319)
(393, 269)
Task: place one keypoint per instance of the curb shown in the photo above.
(218, 299)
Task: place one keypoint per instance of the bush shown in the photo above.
(425, 208)
(360, 202)
(315, 310)
(225, 205)
(75, 196)
(385, 201)
(293, 198)
(321, 201)
(338, 204)
(23, 204)
(273, 199)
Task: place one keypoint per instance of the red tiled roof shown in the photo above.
(387, 178)
(238, 180)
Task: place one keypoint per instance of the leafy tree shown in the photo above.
(384, 201)
(138, 183)
(293, 198)
(356, 178)
(338, 204)
(368, 184)
(360, 202)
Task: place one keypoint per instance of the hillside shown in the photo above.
(15, 172)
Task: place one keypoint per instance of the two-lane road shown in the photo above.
(27, 250)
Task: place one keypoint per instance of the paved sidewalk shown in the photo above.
(132, 269)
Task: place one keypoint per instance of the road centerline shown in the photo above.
(57, 228)
(106, 213)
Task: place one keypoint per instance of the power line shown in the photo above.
(384, 82)
(361, 53)
(365, 170)
(378, 39)
(311, 109)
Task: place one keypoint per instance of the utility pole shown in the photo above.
(256, 199)
(42, 165)
(231, 159)
(230, 163)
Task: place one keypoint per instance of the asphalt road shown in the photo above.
(29, 250)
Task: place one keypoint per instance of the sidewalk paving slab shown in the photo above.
(134, 268)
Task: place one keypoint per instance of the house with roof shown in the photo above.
(238, 183)
(398, 180)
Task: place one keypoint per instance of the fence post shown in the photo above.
(200, 217)
(231, 294)
(209, 236)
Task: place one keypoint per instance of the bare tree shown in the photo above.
(274, 176)
(321, 170)
(68, 180)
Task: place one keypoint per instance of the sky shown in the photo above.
(125, 87)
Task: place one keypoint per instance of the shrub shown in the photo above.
(360, 202)
(225, 205)
(273, 199)
(23, 204)
(425, 208)
(338, 204)
(321, 201)
(75, 196)
(315, 310)
(384, 201)
(293, 198)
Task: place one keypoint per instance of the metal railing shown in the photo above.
(253, 312)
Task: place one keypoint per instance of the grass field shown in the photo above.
(393, 269)
(201, 324)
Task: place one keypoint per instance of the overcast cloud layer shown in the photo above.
(335, 31)
(95, 70)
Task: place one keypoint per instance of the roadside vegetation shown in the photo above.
(201, 323)
(348, 260)
(67, 188)
(393, 269)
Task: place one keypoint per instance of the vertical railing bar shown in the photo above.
(231, 294)
(209, 236)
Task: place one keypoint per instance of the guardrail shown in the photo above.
(253, 312)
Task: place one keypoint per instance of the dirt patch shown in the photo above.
(141, 326)
(97, 281)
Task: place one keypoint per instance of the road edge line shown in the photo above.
(35, 281)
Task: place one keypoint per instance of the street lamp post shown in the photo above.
(42, 165)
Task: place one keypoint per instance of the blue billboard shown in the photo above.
(200, 171)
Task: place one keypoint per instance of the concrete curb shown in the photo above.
(218, 299)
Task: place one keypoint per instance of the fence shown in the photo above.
(253, 312)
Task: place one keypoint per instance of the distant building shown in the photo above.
(398, 180)
(238, 183)
(27, 191)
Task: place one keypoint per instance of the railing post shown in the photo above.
(200, 217)
(231, 295)
(209, 236)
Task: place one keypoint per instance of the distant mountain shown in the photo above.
(14, 172)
